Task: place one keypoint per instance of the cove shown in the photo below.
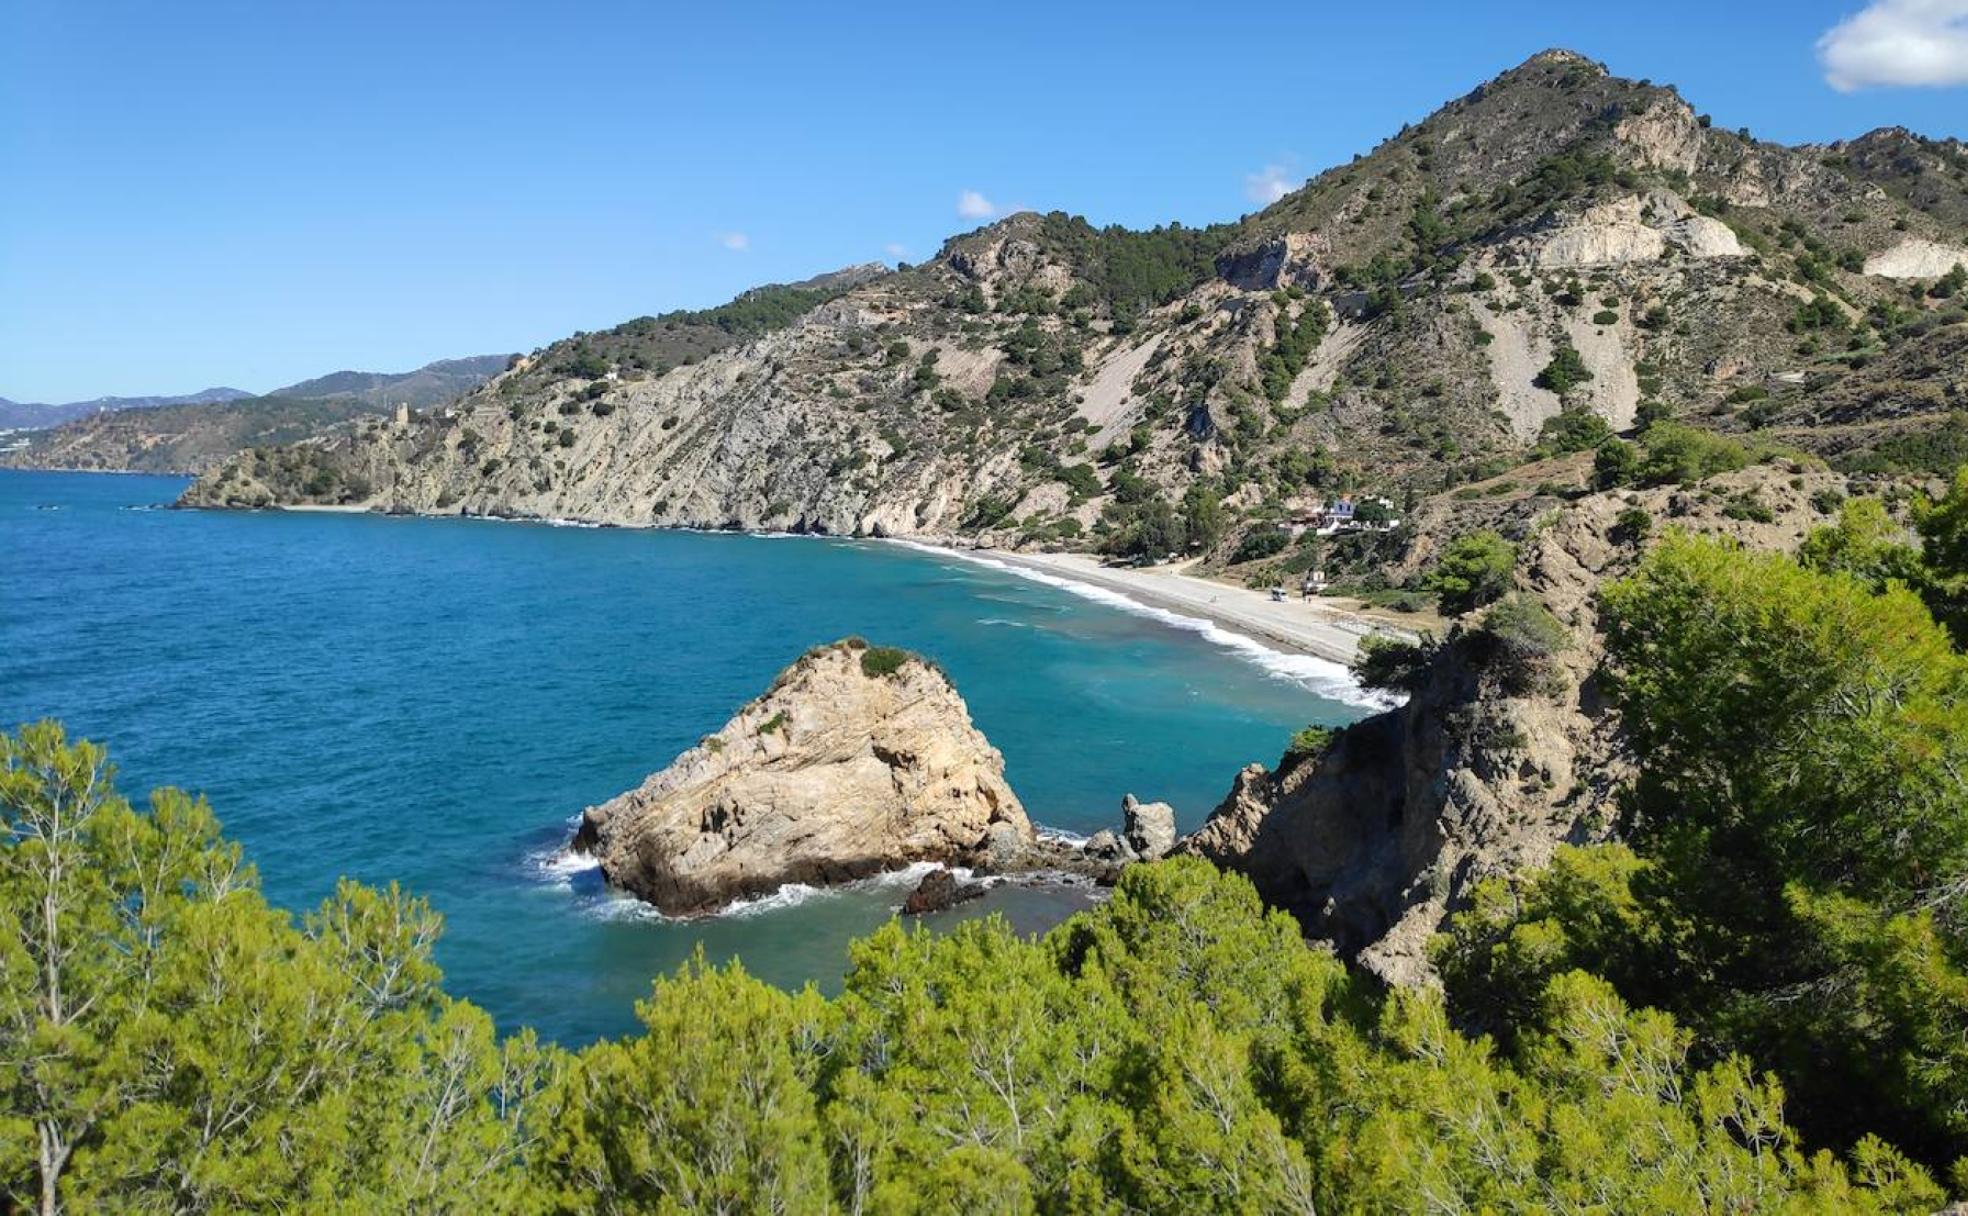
(430, 701)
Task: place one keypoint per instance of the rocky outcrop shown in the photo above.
(1635, 229)
(1291, 260)
(858, 760)
(1916, 259)
(1148, 827)
(1487, 768)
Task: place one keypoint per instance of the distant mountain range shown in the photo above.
(28, 415)
(430, 384)
(195, 432)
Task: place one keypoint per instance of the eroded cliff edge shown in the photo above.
(1499, 755)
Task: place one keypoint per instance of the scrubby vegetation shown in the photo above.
(1131, 271)
(1474, 570)
(1793, 879)
(174, 1043)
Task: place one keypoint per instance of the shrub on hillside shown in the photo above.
(1391, 664)
(1565, 372)
(879, 661)
(1572, 430)
(1676, 454)
(1261, 542)
(1474, 570)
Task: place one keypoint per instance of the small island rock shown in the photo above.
(858, 760)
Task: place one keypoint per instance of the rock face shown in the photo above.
(858, 760)
(1149, 827)
(1916, 259)
(1635, 229)
(1373, 843)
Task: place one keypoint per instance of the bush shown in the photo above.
(1565, 372)
(1573, 430)
(880, 661)
(1605, 316)
(1474, 570)
(1259, 543)
(1518, 637)
(989, 510)
(1310, 742)
(1615, 464)
(1633, 524)
(1390, 664)
(1676, 454)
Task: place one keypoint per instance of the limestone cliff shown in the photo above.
(856, 761)
(1489, 766)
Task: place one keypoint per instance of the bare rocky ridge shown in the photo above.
(1374, 842)
(855, 762)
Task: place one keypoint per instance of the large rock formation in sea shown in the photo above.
(857, 760)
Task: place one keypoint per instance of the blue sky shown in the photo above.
(248, 194)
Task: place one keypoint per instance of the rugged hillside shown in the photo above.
(195, 436)
(1557, 241)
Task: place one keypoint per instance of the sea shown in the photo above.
(432, 702)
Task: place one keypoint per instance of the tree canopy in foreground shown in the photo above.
(171, 1042)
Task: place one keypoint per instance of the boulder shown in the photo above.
(939, 890)
(856, 761)
(1106, 845)
(1149, 827)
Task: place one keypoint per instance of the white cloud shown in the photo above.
(973, 206)
(1270, 184)
(736, 242)
(895, 249)
(1898, 42)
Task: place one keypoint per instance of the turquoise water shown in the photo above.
(431, 701)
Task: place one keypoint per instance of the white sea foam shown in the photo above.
(1322, 676)
(559, 867)
(1072, 840)
(617, 906)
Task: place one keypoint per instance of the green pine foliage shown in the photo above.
(174, 1043)
(1297, 339)
(1474, 570)
(1130, 272)
(1794, 882)
(1565, 372)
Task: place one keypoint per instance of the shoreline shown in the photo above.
(1318, 628)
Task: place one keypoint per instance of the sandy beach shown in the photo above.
(1319, 627)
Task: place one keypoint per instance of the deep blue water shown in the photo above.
(430, 701)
